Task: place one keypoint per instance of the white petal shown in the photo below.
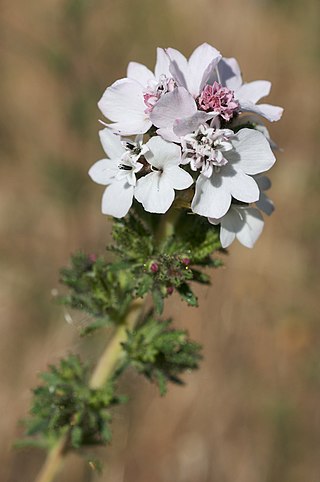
(211, 198)
(252, 153)
(229, 73)
(140, 73)
(177, 177)
(270, 112)
(201, 65)
(241, 187)
(155, 194)
(131, 127)
(162, 64)
(254, 91)
(178, 67)
(111, 143)
(252, 227)
(162, 153)
(167, 134)
(189, 124)
(214, 221)
(174, 105)
(117, 199)
(231, 224)
(104, 171)
(226, 237)
(123, 103)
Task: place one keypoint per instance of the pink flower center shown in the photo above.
(218, 99)
(155, 90)
(150, 100)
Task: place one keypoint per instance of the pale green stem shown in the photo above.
(104, 369)
(167, 224)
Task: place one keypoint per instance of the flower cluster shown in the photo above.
(193, 125)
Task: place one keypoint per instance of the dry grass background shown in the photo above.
(252, 412)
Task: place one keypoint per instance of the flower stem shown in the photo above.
(113, 352)
(104, 369)
(167, 224)
(54, 461)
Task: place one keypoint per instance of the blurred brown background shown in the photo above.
(252, 412)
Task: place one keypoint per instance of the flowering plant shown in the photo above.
(186, 142)
(202, 142)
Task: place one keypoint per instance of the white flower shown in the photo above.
(118, 172)
(241, 222)
(250, 155)
(156, 190)
(247, 94)
(129, 101)
(194, 73)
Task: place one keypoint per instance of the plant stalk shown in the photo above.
(102, 372)
(167, 224)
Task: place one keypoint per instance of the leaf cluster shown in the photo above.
(161, 268)
(160, 352)
(64, 403)
(142, 265)
(96, 288)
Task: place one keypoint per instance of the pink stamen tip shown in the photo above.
(92, 257)
(170, 290)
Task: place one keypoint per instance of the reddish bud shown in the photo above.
(92, 257)
(154, 267)
(186, 261)
(170, 290)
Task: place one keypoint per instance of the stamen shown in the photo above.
(125, 167)
(216, 98)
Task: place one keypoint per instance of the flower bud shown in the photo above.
(154, 267)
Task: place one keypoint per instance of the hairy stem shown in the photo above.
(102, 372)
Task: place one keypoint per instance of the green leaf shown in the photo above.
(161, 354)
(187, 294)
(94, 326)
(157, 298)
(64, 403)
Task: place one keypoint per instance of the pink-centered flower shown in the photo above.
(128, 102)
